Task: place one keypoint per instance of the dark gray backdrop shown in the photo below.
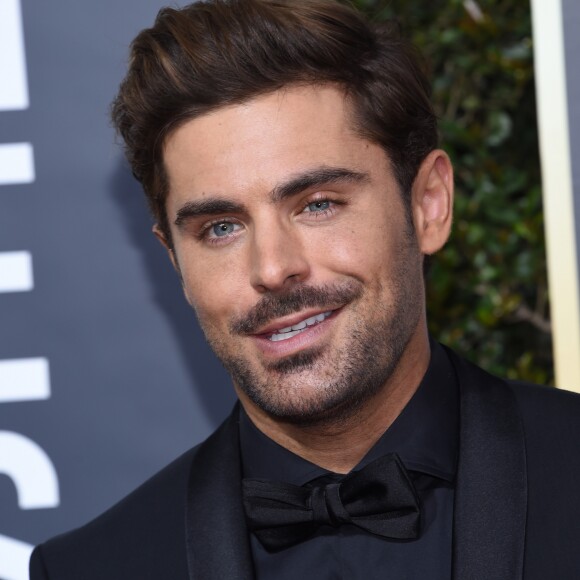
(571, 13)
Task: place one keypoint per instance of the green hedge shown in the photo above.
(487, 292)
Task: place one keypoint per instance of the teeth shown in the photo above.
(285, 336)
(290, 331)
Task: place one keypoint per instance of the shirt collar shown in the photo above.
(425, 434)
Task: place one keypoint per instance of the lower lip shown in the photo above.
(305, 339)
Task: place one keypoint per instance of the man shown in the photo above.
(289, 154)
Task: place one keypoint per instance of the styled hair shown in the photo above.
(215, 53)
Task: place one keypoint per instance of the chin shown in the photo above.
(307, 389)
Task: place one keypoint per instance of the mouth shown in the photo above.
(290, 335)
(295, 329)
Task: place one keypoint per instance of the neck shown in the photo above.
(339, 446)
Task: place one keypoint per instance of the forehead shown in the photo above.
(255, 145)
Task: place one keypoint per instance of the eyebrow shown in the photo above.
(206, 208)
(293, 186)
(316, 178)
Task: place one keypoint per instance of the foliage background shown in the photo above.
(487, 292)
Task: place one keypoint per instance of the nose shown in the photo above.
(278, 258)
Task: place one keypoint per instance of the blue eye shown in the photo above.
(222, 229)
(318, 206)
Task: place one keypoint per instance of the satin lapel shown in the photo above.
(217, 539)
(491, 491)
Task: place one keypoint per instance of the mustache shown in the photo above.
(273, 306)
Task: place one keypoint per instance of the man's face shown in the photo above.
(295, 250)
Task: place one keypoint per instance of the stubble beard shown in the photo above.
(321, 386)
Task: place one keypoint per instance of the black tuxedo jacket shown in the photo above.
(516, 514)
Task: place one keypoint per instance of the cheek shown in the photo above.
(214, 289)
(348, 253)
(362, 249)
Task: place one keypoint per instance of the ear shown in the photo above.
(432, 201)
(168, 246)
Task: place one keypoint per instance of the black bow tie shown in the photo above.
(379, 498)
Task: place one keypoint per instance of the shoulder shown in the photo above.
(542, 402)
(551, 425)
(551, 422)
(118, 544)
(549, 417)
(144, 535)
(540, 406)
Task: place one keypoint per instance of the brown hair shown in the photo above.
(221, 52)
